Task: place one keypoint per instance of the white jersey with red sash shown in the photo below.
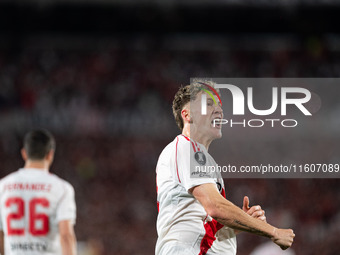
(183, 226)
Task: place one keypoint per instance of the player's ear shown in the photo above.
(24, 154)
(186, 115)
(50, 156)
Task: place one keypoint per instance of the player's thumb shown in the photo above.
(245, 204)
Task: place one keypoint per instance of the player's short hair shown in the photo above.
(38, 143)
(184, 95)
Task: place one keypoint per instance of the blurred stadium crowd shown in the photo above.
(110, 110)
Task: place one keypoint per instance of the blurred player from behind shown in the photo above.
(37, 209)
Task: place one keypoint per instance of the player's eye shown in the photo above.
(210, 102)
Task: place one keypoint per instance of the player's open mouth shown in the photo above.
(216, 123)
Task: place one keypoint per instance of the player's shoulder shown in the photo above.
(65, 184)
(179, 142)
(8, 177)
(186, 144)
(182, 140)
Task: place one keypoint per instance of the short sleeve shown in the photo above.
(67, 207)
(188, 160)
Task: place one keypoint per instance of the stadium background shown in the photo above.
(101, 76)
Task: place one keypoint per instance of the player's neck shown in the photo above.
(38, 164)
(196, 136)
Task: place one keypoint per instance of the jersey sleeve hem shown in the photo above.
(199, 182)
(71, 218)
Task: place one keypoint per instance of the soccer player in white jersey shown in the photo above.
(37, 209)
(195, 217)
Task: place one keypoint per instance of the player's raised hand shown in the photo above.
(254, 211)
(283, 237)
